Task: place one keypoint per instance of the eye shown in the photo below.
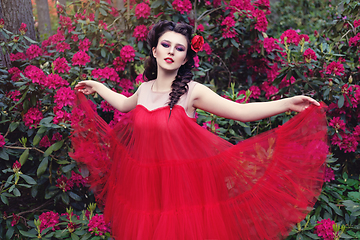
(180, 49)
(165, 45)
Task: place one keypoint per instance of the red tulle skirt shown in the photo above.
(168, 178)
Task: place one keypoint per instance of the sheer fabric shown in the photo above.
(168, 178)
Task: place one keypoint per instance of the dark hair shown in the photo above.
(184, 75)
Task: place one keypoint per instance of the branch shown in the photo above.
(30, 148)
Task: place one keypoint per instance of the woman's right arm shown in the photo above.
(118, 101)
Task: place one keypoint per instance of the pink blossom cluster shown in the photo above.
(15, 220)
(127, 53)
(269, 89)
(34, 51)
(309, 55)
(66, 184)
(35, 74)
(293, 37)
(142, 10)
(207, 48)
(140, 33)
(106, 73)
(287, 82)
(84, 45)
(106, 107)
(241, 5)
(49, 219)
(182, 6)
(102, 25)
(22, 29)
(117, 118)
(54, 81)
(356, 23)
(14, 95)
(16, 166)
(2, 141)
(65, 96)
(119, 64)
(98, 226)
(17, 56)
(62, 46)
(355, 41)
(263, 5)
(270, 44)
(139, 79)
(15, 72)
(261, 21)
(229, 23)
(61, 65)
(336, 68)
(61, 116)
(33, 117)
(325, 229)
(54, 39)
(66, 23)
(329, 174)
(126, 84)
(80, 58)
(2, 22)
(200, 28)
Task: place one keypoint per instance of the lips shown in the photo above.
(169, 60)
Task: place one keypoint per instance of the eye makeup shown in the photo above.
(179, 47)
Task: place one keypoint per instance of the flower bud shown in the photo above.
(350, 80)
(16, 167)
(2, 23)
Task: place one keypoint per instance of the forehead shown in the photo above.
(174, 37)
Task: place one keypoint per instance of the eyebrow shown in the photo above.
(176, 44)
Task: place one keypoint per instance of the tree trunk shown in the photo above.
(44, 23)
(62, 2)
(4, 58)
(119, 4)
(17, 12)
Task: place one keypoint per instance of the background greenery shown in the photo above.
(232, 67)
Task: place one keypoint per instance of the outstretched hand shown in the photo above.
(300, 103)
(86, 87)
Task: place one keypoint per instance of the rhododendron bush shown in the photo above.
(45, 194)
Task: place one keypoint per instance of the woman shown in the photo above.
(159, 175)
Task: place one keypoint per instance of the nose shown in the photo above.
(171, 50)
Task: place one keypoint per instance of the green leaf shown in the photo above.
(28, 179)
(228, 52)
(74, 236)
(30, 40)
(74, 196)
(42, 167)
(36, 139)
(13, 126)
(336, 209)
(4, 155)
(57, 145)
(103, 12)
(4, 199)
(48, 151)
(16, 192)
(28, 234)
(103, 53)
(156, 4)
(51, 192)
(67, 168)
(65, 198)
(9, 233)
(341, 101)
(24, 156)
(234, 43)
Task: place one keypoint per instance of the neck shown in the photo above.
(164, 80)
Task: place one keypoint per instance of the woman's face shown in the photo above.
(170, 52)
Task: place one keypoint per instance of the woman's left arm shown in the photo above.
(204, 98)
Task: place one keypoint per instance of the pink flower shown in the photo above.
(44, 142)
(228, 22)
(127, 53)
(84, 45)
(16, 166)
(15, 74)
(14, 95)
(263, 4)
(61, 116)
(64, 184)
(22, 29)
(309, 55)
(241, 5)
(35, 74)
(34, 51)
(61, 65)
(98, 226)
(270, 44)
(139, 79)
(200, 27)
(2, 23)
(126, 84)
(337, 123)
(255, 92)
(335, 68)
(56, 137)
(196, 61)
(207, 48)
(182, 6)
(75, 37)
(62, 46)
(140, 32)
(261, 21)
(325, 229)
(356, 23)
(2, 141)
(17, 56)
(269, 89)
(64, 97)
(293, 37)
(80, 58)
(49, 219)
(77, 179)
(32, 117)
(119, 64)
(102, 25)
(329, 174)
(142, 10)
(106, 107)
(355, 40)
(54, 81)
(231, 33)
(65, 22)
(15, 220)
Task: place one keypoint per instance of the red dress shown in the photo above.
(168, 178)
